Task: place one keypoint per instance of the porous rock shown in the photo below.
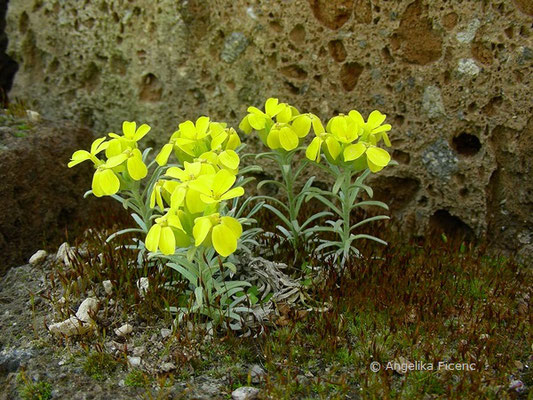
(113, 60)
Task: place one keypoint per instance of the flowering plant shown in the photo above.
(350, 147)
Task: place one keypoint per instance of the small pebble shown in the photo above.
(108, 286)
(245, 393)
(124, 330)
(134, 361)
(167, 367)
(142, 285)
(38, 258)
(257, 373)
(165, 332)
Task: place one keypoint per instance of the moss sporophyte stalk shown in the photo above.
(186, 202)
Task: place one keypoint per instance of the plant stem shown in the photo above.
(346, 208)
(286, 171)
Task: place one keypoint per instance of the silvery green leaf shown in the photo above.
(140, 222)
(338, 183)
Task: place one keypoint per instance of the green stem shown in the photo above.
(285, 160)
(346, 207)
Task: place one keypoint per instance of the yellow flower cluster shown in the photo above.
(124, 159)
(188, 197)
(282, 128)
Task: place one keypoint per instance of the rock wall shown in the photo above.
(453, 76)
(8, 67)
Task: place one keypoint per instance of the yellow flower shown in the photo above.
(323, 141)
(131, 135)
(82, 155)
(162, 236)
(377, 158)
(372, 130)
(222, 232)
(216, 188)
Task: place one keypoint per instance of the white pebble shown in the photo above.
(142, 285)
(124, 330)
(38, 257)
(108, 286)
(134, 361)
(245, 393)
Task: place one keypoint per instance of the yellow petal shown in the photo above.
(386, 139)
(234, 141)
(233, 224)
(301, 125)
(334, 148)
(188, 130)
(224, 240)
(245, 126)
(164, 154)
(178, 173)
(107, 181)
(378, 156)
(272, 107)
(257, 122)
(143, 130)
(202, 227)
(177, 197)
(116, 160)
(152, 239)
(354, 151)
(202, 124)
(97, 189)
(222, 182)
(318, 128)
(194, 203)
(273, 139)
(229, 159)
(78, 157)
(288, 138)
(231, 194)
(167, 241)
(174, 221)
(375, 119)
(285, 114)
(357, 117)
(136, 167)
(217, 141)
(113, 148)
(98, 146)
(128, 128)
(313, 150)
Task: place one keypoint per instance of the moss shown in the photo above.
(99, 365)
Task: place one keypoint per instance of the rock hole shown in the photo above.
(395, 191)
(294, 71)
(297, 35)
(443, 222)
(466, 144)
(490, 108)
(401, 156)
(276, 26)
(150, 88)
(24, 22)
(387, 56)
(337, 51)
(332, 13)
(349, 75)
(509, 32)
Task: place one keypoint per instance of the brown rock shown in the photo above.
(41, 197)
(417, 41)
(332, 13)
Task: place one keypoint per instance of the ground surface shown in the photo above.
(410, 303)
